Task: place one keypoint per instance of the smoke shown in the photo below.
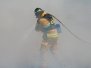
(20, 44)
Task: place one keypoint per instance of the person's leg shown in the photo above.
(53, 45)
(44, 50)
(54, 50)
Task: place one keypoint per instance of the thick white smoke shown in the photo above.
(20, 44)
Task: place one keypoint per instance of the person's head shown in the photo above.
(39, 12)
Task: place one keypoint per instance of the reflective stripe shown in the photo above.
(52, 35)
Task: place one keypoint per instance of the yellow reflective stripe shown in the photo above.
(49, 35)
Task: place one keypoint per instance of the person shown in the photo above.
(48, 27)
(50, 30)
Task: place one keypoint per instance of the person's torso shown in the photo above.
(50, 31)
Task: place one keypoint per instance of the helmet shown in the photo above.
(38, 12)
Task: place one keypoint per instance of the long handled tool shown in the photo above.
(77, 37)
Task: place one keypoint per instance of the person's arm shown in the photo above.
(58, 27)
(38, 27)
